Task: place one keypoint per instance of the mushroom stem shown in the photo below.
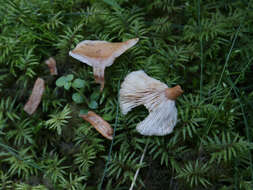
(174, 92)
(98, 73)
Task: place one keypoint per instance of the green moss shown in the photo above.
(205, 46)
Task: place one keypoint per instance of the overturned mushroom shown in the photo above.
(51, 63)
(35, 98)
(140, 89)
(99, 124)
(100, 54)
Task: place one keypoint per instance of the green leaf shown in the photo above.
(78, 83)
(83, 112)
(103, 97)
(67, 85)
(61, 81)
(69, 77)
(93, 105)
(112, 3)
(77, 98)
(108, 117)
(95, 95)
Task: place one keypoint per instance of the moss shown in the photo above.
(205, 46)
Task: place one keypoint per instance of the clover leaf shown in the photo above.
(77, 98)
(69, 77)
(83, 112)
(61, 81)
(78, 83)
(93, 104)
(67, 85)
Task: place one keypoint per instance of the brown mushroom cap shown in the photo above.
(100, 54)
(98, 50)
(102, 50)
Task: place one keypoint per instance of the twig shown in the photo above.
(137, 171)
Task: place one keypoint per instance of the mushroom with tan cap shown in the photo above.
(100, 54)
(140, 89)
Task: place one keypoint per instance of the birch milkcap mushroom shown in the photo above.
(100, 54)
(140, 89)
(103, 127)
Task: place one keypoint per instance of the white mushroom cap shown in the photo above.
(160, 121)
(140, 89)
(100, 54)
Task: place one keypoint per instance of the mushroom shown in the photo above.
(100, 54)
(35, 97)
(140, 89)
(99, 124)
(51, 63)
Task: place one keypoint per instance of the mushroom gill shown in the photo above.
(140, 89)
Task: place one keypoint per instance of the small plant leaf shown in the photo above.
(102, 98)
(93, 105)
(78, 83)
(67, 85)
(113, 4)
(77, 98)
(61, 81)
(83, 111)
(108, 117)
(69, 77)
(95, 95)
